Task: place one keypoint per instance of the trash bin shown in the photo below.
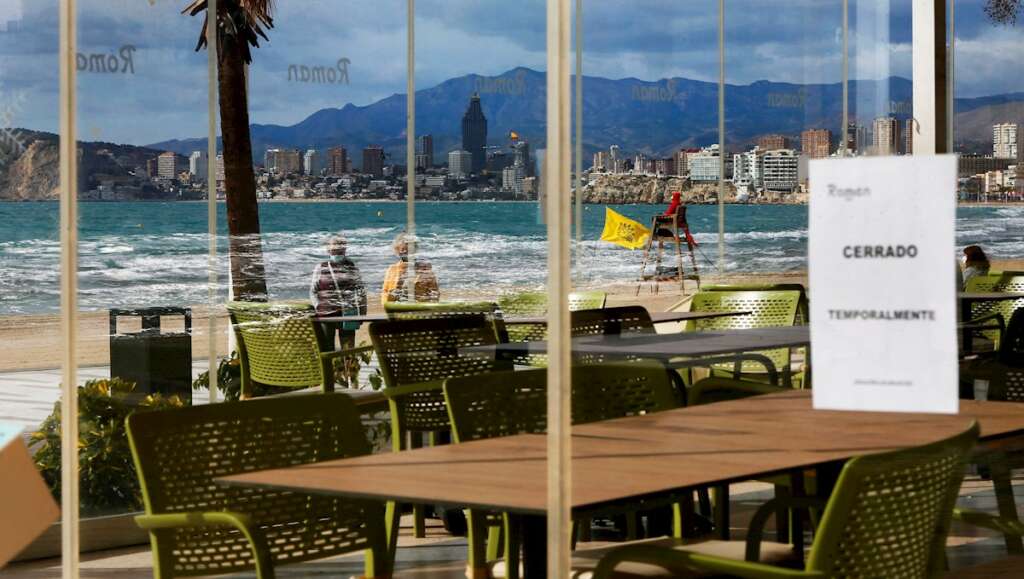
(157, 362)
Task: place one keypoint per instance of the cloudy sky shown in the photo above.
(164, 95)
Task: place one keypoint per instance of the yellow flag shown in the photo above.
(623, 231)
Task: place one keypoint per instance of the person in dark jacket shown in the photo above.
(337, 289)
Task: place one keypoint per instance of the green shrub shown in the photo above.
(107, 480)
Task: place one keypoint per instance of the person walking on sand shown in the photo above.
(401, 285)
(337, 289)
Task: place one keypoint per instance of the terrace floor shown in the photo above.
(443, 557)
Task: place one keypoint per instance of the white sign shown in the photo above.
(881, 256)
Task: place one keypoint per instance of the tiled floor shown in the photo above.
(443, 557)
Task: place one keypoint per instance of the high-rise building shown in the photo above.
(337, 161)
(772, 142)
(169, 165)
(460, 164)
(706, 165)
(197, 165)
(474, 133)
(512, 179)
(522, 157)
(682, 163)
(885, 136)
(851, 137)
(781, 170)
(600, 162)
(424, 152)
(640, 163)
(1004, 141)
(220, 170)
(665, 167)
(283, 161)
(373, 161)
(311, 162)
(613, 153)
(815, 143)
(748, 168)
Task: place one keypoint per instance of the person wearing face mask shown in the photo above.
(402, 283)
(337, 289)
(974, 262)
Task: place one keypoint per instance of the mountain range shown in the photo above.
(650, 117)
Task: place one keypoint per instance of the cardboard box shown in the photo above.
(26, 506)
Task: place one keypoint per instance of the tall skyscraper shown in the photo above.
(908, 137)
(197, 165)
(815, 143)
(474, 133)
(522, 157)
(460, 164)
(600, 162)
(886, 136)
(337, 160)
(311, 162)
(425, 152)
(772, 142)
(169, 165)
(851, 137)
(1004, 141)
(373, 161)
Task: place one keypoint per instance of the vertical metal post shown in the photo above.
(843, 149)
(578, 173)
(951, 79)
(930, 85)
(557, 181)
(410, 125)
(721, 137)
(68, 292)
(212, 110)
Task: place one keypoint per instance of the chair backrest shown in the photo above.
(179, 453)
(768, 309)
(1007, 281)
(587, 300)
(277, 343)
(889, 514)
(612, 321)
(507, 403)
(803, 313)
(525, 304)
(414, 351)
(434, 310)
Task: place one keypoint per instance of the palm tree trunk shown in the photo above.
(245, 250)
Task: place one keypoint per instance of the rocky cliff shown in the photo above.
(613, 189)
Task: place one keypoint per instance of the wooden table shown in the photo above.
(630, 458)
(656, 317)
(680, 350)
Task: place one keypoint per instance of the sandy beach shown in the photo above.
(32, 342)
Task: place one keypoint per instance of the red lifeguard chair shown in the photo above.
(670, 227)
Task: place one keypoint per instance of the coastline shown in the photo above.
(992, 204)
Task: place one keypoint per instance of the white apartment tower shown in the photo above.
(197, 165)
(311, 162)
(1004, 141)
(460, 164)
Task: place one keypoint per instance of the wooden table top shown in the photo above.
(656, 317)
(666, 346)
(638, 456)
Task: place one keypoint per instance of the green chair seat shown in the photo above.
(200, 527)
(888, 516)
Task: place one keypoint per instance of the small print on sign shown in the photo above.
(881, 259)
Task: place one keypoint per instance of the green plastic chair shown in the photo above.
(888, 516)
(278, 346)
(200, 527)
(996, 282)
(587, 300)
(531, 304)
(803, 311)
(768, 309)
(415, 358)
(509, 403)
(433, 310)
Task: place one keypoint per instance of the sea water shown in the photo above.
(135, 254)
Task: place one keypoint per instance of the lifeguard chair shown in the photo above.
(669, 229)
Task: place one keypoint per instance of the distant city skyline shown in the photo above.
(166, 98)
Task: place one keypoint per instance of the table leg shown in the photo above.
(966, 335)
(535, 547)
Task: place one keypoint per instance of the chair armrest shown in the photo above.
(761, 516)
(978, 323)
(193, 520)
(401, 391)
(730, 384)
(676, 559)
(979, 519)
(345, 353)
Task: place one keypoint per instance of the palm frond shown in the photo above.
(1003, 11)
(244, 20)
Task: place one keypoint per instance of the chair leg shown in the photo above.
(477, 568)
(513, 542)
(704, 502)
(392, 521)
(721, 494)
(1005, 501)
(782, 516)
(419, 521)
(585, 535)
(494, 542)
